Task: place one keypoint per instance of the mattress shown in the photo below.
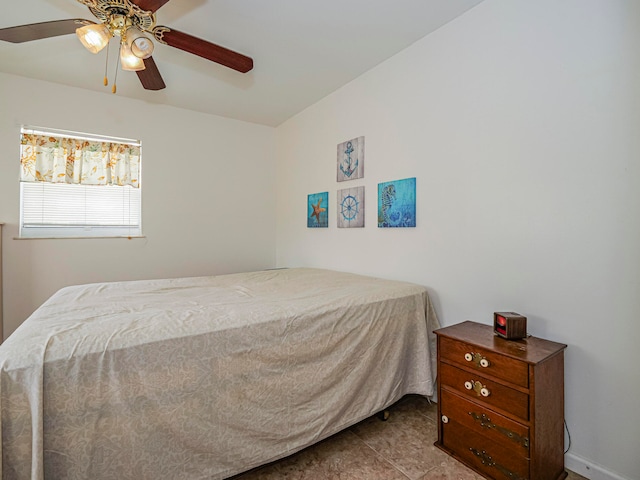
(205, 377)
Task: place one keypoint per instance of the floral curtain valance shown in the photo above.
(69, 160)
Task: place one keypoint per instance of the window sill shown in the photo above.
(122, 237)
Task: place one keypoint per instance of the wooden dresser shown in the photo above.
(501, 403)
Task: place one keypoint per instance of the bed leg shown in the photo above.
(384, 415)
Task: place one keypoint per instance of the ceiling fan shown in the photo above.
(129, 20)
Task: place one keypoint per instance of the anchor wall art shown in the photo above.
(397, 203)
(351, 207)
(318, 210)
(351, 159)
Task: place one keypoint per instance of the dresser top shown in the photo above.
(530, 349)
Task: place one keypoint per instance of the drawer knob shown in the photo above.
(445, 419)
(479, 388)
(477, 358)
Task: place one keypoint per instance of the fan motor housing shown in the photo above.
(107, 10)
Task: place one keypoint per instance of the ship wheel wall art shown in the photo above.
(351, 207)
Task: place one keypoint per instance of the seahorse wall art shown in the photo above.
(318, 210)
(350, 159)
(397, 203)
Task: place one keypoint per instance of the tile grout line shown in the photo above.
(379, 455)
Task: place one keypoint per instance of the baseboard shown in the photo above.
(584, 467)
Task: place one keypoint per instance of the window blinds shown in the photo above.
(69, 210)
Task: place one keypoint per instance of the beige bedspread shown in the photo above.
(203, 378)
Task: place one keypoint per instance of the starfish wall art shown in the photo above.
(318, 210)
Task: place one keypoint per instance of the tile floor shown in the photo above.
(399, 449)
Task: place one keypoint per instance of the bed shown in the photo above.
(206, 377)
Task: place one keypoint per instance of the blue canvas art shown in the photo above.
(351, 207)
(318, 210)
(397, 203)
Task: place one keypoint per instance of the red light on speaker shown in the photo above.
(509, 325)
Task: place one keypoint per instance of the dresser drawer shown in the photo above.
(495, 427)
(483, 455)
(485, 361)
(477, 388)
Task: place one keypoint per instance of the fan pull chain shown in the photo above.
(106, 67)
(115, 78)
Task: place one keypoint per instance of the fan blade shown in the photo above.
(149, 5)
(37, 31)
(204, 49)
(150, 77)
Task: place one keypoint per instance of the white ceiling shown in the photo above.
(302, 50)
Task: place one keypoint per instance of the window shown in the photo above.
(74, 185)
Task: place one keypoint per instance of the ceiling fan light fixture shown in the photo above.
(141, 46)
(94, 37)
(128, 60)
(135, 19)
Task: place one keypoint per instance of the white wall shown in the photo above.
(218, 221)
(520, 120)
